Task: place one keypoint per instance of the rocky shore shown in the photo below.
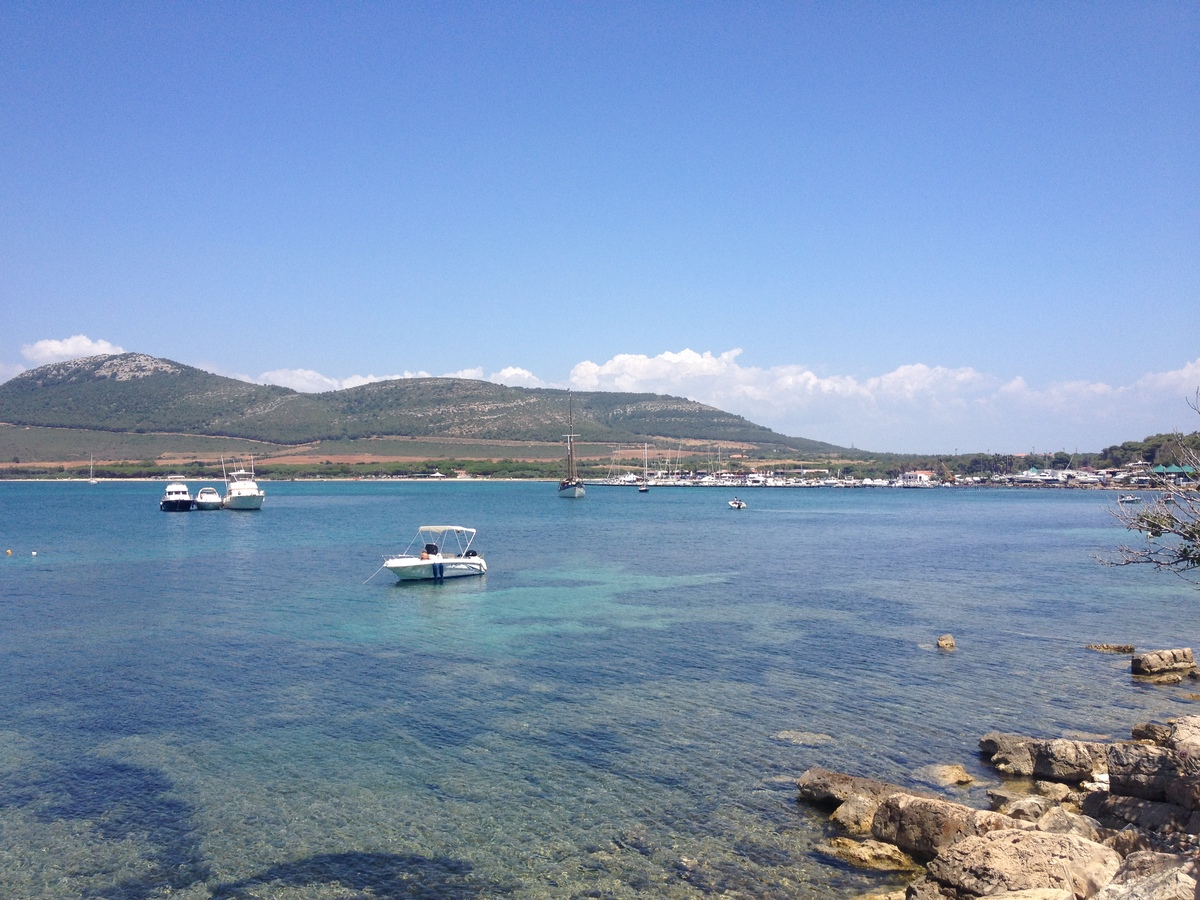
(1074, 819)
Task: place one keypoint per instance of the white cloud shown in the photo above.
(309, 381)
(475, 373)
(305, 380)
(915, 407)
(49, 351)
(515, 376)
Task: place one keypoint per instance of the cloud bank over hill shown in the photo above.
(41, 353)
(309, 381)
(914, 408)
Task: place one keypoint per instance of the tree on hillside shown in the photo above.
(1170, 521)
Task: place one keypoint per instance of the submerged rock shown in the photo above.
(944, 775)
(1160, 678)
(802, 738)
(946, 642)
(868, 854)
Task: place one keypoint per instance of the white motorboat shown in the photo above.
(241, 490)
(436, 560)
(735, 503)
(208, 498)
(572, 485)
(1129, 498)
(177, 497)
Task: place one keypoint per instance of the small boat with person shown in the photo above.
(177, 497)
(437, 560)
(735, 503)
(1129, 498)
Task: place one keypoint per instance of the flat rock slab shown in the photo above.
(1156, 662)
(1014, 860)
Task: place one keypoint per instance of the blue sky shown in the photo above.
(909, 227)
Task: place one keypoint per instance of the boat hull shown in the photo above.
(571, 489)
(243, 501)
(175, 505)
(407, 568)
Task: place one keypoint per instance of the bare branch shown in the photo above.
(1169, 520)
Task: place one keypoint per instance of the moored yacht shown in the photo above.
(208, 498)
(241, 490)
(177, 497)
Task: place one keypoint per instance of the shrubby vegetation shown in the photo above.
(1169, 521)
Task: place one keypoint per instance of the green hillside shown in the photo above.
(135, 393)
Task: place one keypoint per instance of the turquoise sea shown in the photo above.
(222, 705)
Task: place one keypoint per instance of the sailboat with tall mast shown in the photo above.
(572, 485)
(645, 485)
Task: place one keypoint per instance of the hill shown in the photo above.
(136, 393)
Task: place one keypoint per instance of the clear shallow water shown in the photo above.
(217, 705)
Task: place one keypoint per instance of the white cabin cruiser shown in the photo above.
(437, 561)
(177, 497)
(208, 498)
(241, 490)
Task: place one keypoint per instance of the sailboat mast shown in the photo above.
(570, 437)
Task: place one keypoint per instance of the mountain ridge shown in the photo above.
(138, 393)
